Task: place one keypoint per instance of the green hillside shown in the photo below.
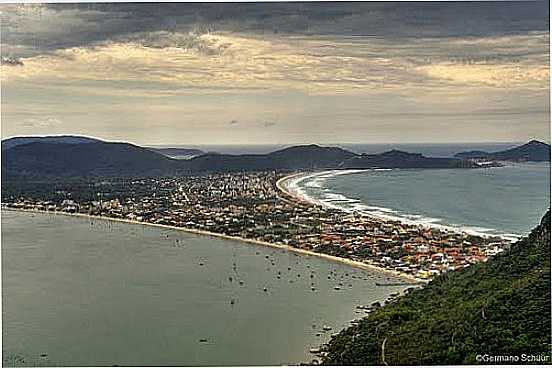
(499, 308)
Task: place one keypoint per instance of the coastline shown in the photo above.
(301, 197)
(349, 262)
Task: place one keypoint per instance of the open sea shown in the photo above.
(432, 150)
(507, 201)
(80, 291)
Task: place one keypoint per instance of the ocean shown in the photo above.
(507, 201)
(88, 292)
(432, 150)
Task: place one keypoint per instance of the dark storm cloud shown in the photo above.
(31, 29)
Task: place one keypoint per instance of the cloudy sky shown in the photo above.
(277, 73)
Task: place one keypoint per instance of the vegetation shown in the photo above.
(499, 308)
(37, 158)
(531, 151)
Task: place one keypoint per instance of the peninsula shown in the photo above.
(255, 206)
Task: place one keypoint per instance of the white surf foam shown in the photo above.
(331, 199)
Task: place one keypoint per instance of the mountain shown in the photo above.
(69, 156)
(399, 159)
(178, 153)
(292, 158)
(61, 139)
(500, 307)
(44, 159)
(530, 151)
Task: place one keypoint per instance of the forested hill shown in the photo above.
(71, 156)
(501, 307)
(530, 151)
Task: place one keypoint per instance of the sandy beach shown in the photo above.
(288, 186)
(303, 252)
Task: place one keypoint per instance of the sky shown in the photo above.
(277, 73)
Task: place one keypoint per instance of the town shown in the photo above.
(251, 206)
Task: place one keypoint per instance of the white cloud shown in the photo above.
(173, 63)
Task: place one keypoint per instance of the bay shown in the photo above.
(96, 292)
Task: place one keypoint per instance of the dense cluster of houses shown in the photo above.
(249, 205)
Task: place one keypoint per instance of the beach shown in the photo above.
(264, 208)
(303, 252)
(291, 186)
(96, 292)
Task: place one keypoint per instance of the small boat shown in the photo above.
(326, 328)
(337, 288)
(314, 350)
(241, 282)
(202, 340)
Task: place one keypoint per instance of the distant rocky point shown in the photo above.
(532, 151)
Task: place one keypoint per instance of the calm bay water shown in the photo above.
(502, 200)
(97, 292)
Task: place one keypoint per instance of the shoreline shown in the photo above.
(345, 261)
(280, 184)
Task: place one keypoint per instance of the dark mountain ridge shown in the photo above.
(396, 159)
(531, 151)
(52, 157)
(61, 139)
(291, 158)
(41, 159)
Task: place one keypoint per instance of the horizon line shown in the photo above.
(276, 143)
